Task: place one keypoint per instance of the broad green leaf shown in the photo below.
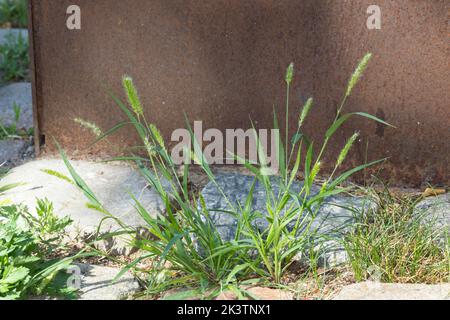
(15, 274)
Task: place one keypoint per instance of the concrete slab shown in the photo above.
(96, 283)
(381, 291)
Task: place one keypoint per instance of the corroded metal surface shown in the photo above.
(223, 61)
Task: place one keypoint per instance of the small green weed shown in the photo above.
(13, 13)
(46, 224)
(14, 59)
(24, 267)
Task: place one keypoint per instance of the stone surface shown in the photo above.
(260, 293)
(381, 291)
(333, 218)
(436, 209)
(19, 94)
(4, 33)
(96, 283)
(111, 184)
(12, 150)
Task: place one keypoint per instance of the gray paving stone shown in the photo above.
(96, 283)
(111, 184)
(437, 210)
(12, 150)
(20, 94)
(382, 291)
(334, 217)
(4, 33)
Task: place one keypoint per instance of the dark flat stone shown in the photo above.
(333, 218)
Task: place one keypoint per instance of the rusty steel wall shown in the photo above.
(223, 62)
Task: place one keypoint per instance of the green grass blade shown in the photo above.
(281, 157)
(345, 117)
(351, 172)
(77, 179)
(109, 132)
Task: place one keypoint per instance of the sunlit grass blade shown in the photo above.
(9, 187)
(346, 117)
(77, 179)
(351, 172)
(308, 164)
(296, 167)
(58, 175)
(281, 157)
(109, 132)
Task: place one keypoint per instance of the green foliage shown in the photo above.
(46, 225)
(186, 237)
(14, 13)
(398, 244)
(14, 59)
(13, 131)
(24, 267)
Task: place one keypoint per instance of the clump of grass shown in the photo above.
(186, 237)
(13, 13)
(14, 59)
(398, 243)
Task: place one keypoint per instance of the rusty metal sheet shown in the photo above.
(223, 61)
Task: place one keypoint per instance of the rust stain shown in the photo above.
(223, 61)
(380, 127)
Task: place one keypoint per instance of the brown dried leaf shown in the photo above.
(431, 192)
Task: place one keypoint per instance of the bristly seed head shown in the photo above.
(346, 149)
(358, 73)
(90, 126)
(315, 171)
(324, 187)
(305, 111)
(149, 147)
(132, 95)
(290, 73)
(157, 136)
